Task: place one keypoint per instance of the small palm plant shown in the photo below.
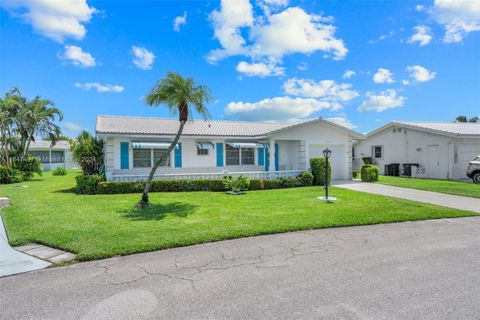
(178, 94)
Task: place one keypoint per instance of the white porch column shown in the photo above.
(271, 154)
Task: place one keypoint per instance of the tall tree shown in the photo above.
(474, 119)
(461, 119)
(34, 118)
(8, 114)
(178, 94)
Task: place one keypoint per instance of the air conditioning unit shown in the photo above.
(419, 172)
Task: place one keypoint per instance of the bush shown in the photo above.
(59, 171)
(306, 178)
(369, 173)
(28, 166)
(318, 170)
(88, 184)
(355, 174)
(88, 152)
(238, 184)
(9, 175)
(114, 187)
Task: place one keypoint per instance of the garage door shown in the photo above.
(337, 159)
(466, 153)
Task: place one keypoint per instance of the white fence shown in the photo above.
(267, 175)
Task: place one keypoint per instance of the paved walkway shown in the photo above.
(14, 262)
(413, 270)
(441, 199)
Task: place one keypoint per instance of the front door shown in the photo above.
(434, 162)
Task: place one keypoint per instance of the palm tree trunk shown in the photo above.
(144, 201)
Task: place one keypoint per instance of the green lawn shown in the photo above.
(48, 211)
(443, 186)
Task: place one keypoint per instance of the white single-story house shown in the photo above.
(52, 156)
(442, 150)
(213, 149)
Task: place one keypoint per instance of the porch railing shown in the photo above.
(267, 175)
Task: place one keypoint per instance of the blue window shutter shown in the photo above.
(178, 155)
(261, 156)
(219, 154)
(267, 159)
(276, 156)
(124, 155)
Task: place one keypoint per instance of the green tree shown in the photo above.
(178, 94)
(461, 119)
(34, 118)
(88, 152)
(474, 119)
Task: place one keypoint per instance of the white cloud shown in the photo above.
(54, 19)
(259, 69)
(421, 74)
(383, 76)
(78, 57)
(271, 36)
(179, 21)
(277, 109)
(419, 8)
(143, 58)
(385, 36)
(386, 99)
(342, 121)
(72, 126)
(302, 66)
(348, 74)
(99, 87)
(405, 82)
(459, 18)
(325, 89)
(272, 5)
(422, 35)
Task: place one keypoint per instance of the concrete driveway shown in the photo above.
(440, 199)
(413, 270)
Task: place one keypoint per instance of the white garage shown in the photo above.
(338, 159)
(441, 150)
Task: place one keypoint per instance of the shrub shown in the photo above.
(355, 174)
(369, 173)
(88, 152)
(367, 160)
(318, 170)
(114, 187)
(28, 166)
(238, 184)
(306, 178)
(9, 175)
(59, 171)
(88, 184)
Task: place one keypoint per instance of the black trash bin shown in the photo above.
(407, 168)
(394, 169)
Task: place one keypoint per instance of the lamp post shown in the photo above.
(326, 153)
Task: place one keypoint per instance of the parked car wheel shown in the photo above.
(476, 177)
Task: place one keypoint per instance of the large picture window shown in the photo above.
(57, 157)
(239, 156)
(146, 158)
(142, 158)
(43, 156)
(158, 153)
(248, 156)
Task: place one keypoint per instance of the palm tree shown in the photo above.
(35, 118)
(465, 119)
(178, 94)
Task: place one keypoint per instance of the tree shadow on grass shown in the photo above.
(160, 211)
(69, 190)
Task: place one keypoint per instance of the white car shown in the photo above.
(473, 169)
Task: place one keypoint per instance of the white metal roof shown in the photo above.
(160, 126)
(63, 145)
(443, 128)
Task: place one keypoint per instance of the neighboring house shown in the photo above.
(441, 149)
(213, 149)
(58, 155)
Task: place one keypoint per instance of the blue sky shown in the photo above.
(359, 63)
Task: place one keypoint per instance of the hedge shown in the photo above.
(114, 187)
(369, 173)
(318, 170)
(88, 184)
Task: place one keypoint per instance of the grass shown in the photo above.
(443, 186)
(48, 211)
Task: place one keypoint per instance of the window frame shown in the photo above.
(374, 152)
(240, 158)
(203, 150)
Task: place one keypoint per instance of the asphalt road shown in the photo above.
(413, 270)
